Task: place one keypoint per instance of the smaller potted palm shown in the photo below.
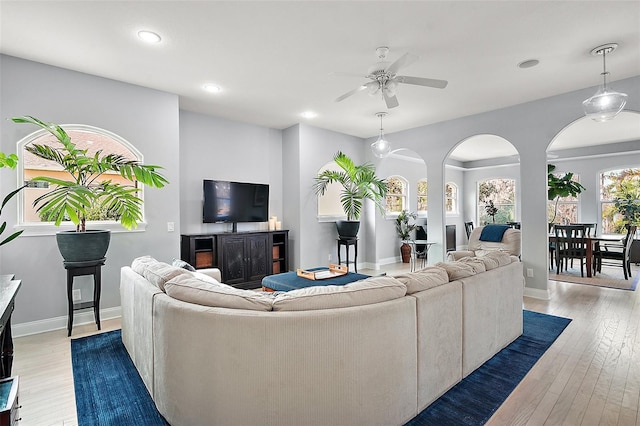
(358, 183)
(404, 229)
(88, 187)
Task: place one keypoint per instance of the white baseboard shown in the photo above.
(537, 293)
(57, 323)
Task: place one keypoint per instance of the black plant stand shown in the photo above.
(76, 269)
(347, 242)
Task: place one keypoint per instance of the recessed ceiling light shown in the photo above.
(212, 88)
(309, 114)
(149, 36)
(528, 63)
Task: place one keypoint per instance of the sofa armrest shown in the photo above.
(459, 254)
(212, 272)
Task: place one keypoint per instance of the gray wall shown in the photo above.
(219, 149)
(146, 118)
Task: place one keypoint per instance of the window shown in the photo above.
(451, 201)
(329, 206)
(422, 196)
(84, 137)
(564, 210)
(615, 183)
(500, 192)
(396, 199)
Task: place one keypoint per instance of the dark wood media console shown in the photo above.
(244, 258)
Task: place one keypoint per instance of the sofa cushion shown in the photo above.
(501, 257)
(364, 292)
(157, 273)
(477, 264)
(456, 270)
(424, 279)
(182, 264)
(190, 289)
(206, 278)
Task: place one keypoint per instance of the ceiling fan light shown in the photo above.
(604, 104)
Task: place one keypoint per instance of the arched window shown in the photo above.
(500, 192)
(92, 139)
(422, 197)
(396, 200)
(451, 200)
(620, 183)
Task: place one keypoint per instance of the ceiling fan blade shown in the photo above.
(346, 74)
(352, 92)
(391, 101)
(403, 61)
(419, 81)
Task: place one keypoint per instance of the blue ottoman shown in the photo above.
(291, 281)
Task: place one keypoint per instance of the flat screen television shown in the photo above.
(233, 202)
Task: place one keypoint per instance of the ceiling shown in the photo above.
(273, 60)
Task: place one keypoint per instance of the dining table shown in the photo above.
(592, 241)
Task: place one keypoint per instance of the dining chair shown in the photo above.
(591, 229)
(612, 254)
(570, 244)
(468, 227)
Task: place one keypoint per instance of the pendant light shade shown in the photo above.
(381, 147)
(606, 103)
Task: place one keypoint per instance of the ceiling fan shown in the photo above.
(384, 78)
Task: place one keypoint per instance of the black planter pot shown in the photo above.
(85, 246)
(348, 228)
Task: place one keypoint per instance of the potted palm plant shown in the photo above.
(87, 188)
(404, 229)
(358, 183)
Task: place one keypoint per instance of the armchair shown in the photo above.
(510, 243)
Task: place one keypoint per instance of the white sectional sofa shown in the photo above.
(376, 351)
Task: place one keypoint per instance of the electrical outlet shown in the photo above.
(329, 257)
(170, 227)
(76, 295)
(529, 272)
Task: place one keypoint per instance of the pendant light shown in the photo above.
(606, 103)
(381, 147)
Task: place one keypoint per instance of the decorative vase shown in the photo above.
(405, 252)
(91, 245)
(348, 228)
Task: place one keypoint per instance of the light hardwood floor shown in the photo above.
(589, 376)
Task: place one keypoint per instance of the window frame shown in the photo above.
(455, 199)
(49, 228)
(404, 196)
(567, 201)
(480, 206)
(422, 213)
(602, 201)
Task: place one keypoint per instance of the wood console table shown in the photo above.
(8, 290)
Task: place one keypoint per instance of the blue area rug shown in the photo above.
(474, 400)
(109, 390)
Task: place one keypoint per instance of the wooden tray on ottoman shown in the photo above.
(333, 271)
